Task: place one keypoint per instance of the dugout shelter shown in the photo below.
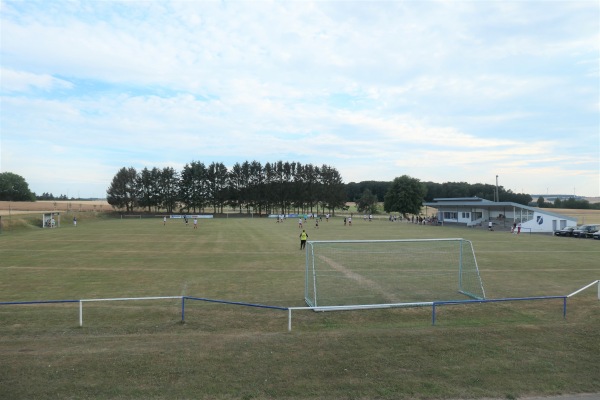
(51, 220)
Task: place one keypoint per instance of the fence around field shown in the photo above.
(434, 305)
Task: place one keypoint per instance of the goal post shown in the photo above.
(343, 274)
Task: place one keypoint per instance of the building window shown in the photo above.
(466, 215)
(450, 215)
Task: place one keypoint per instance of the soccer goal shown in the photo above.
(51, 220)
(390, 273)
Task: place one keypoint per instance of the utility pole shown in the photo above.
(497, 194)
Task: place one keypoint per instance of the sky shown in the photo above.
(441, 91)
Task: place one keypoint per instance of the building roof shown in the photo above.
(462, 199)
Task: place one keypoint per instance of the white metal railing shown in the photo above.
(290, 309)
(587, 287)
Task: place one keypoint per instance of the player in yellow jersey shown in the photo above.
(303, 237)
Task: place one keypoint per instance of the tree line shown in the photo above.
(571, 203)
(279, 187)
(274, 188)
(355, 191)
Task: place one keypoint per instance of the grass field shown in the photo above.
(141, 350)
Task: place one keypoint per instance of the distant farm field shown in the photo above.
(20, 207)
(141, 350)
(583, 216)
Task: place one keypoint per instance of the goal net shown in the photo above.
(386, 273)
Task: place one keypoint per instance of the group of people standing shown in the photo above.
(185, 220)
(514, 228)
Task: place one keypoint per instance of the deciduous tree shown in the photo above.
(367, 202)
(405, 196)
(13, 187)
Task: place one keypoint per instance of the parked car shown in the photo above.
(568, 231)
(585, 231)
(596, 235)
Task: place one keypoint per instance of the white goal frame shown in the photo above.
(311, 285)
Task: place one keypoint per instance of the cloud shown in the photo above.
(22, 81)
(446, 91)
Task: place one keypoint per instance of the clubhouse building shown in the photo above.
(474, 211)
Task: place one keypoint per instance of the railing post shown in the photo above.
(80, 313)
(433, 314)
(182, 309)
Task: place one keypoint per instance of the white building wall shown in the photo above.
(545, 223)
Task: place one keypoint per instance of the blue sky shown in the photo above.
(441, 91)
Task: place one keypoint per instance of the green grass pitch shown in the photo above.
(141, 350)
